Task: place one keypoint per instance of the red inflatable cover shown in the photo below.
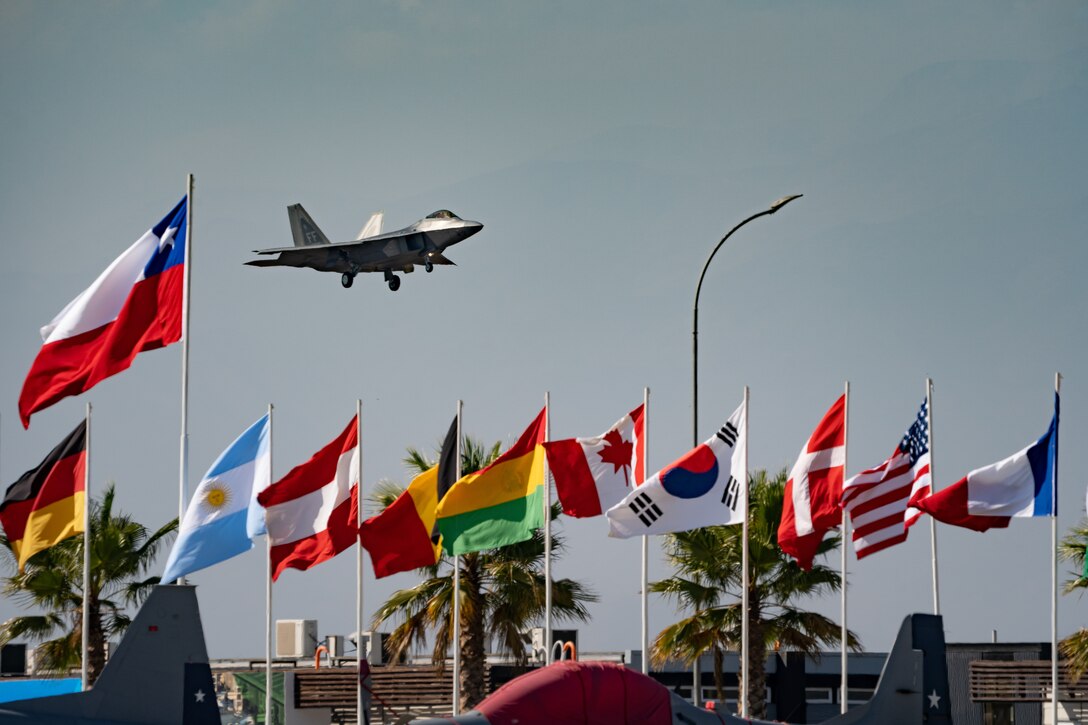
(587, 693)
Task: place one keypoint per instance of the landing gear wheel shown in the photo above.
(346, 279)
(394, 283)
(428, 266)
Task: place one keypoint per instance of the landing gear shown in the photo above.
(346, 279)
(392, 280)
(428, 266)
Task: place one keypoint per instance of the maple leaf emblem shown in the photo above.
(618, 452)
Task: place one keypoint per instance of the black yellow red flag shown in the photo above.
(45, 506)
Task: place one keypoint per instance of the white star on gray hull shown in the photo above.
(934, 700)
(199, 695)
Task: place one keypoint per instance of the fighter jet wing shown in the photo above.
(438, 258)
(336, 245)
(316, 247)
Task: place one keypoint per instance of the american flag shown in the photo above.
(878, 499)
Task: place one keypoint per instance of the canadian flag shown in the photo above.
(811, 503)
(593, 474)
(311, 512)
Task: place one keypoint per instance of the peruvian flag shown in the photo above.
(1022, 485)
(133, 306)
(810, 505)
(593, 474)
(311, 513)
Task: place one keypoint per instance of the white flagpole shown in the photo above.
(645, 639)
(932, 490)
(268, 594)
(359, 646)
(745, 582)
(457, 592)
(183, 476)
(547, 535)
(843, 688)
(1054, 574)
(86, 550)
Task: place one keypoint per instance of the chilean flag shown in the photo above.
(1022, 485)
(135, 305)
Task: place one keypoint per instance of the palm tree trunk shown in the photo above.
(96, 643)
(473, 688)
(757, 658)
(719, 681)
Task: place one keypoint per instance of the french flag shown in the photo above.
(135, 305)
(1022, 485)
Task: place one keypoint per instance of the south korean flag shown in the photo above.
(705, 487)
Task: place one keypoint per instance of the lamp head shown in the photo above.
(783, 201)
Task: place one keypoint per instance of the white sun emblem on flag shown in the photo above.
(217, 496)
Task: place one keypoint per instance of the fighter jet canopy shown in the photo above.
(443, 214)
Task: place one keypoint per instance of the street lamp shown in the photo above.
(695, 315)
(742, 696)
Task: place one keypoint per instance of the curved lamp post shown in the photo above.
(695, 315)
(743, 695)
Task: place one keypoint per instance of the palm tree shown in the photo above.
(502, 593)
(121, 552)
(708, 582)
(1075, 647)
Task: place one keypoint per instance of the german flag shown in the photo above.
(45, 506)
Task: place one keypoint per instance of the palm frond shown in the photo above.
(706, 584)
(383, 495)
(1075, 649)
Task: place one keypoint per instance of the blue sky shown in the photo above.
(606, 147)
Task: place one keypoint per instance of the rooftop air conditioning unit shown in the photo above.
(376, 647)
(335, 643)
(296, 638)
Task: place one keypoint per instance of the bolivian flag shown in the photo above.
(498, 505)
(45, 505)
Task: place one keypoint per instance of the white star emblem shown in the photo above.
(199, 695)
(934, 700)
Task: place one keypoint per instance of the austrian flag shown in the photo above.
(311, 512)
(134, 306)
(593, 474)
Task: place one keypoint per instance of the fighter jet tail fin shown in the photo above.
(913, 686)
(373, 227)
(303, 228)
(159, 673)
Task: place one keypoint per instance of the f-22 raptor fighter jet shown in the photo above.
(422, 243)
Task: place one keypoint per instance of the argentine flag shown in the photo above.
(223, 515)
